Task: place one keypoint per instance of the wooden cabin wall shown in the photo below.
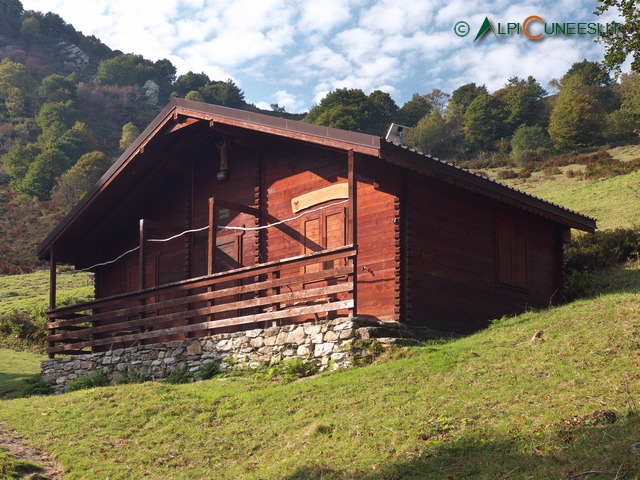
(472, 259)
(165, 261)
(379, 192)
(291, 170)
(236, 248)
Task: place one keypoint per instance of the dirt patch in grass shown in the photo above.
(48, 469)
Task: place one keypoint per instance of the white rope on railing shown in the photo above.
(245, 229)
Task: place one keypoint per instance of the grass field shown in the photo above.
(29, 292)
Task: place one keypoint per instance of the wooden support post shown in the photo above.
(211, 244)
(52, 290)
(211, 247)
(52, 279)
(142, 261)
(352, 228)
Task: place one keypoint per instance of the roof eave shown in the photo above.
(455, 174)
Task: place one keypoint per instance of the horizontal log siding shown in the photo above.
(379, 187)
(453, 258)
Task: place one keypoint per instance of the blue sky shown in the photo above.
(293, 52)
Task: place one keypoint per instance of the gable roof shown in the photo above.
(128, 170)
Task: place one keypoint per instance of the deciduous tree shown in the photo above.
(129, 134)
(625, 40)
(577, 117)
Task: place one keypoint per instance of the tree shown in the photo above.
(191, 82)
(528, 139)
(625, 40)
(56, 88)
(622, 124)
(484, 122)
(30, 30)
(577, 117)
(17, 160)
(11, 12)
(129, 134)
(17, 89)
(590, 73)
(166, 70)
(76, 182)
(226, 94)
(351, 109)
(436, 134)
(195, 96)
(437, 99)
(55, 118)
(413, 111)
(521, 102)
(464, 95)
(42, 173)
(379, 112)
(126, 69)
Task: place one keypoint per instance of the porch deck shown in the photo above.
(319, 283)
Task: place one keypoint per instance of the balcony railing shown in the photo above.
(320, 283)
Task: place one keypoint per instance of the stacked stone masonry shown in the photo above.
(325, 343)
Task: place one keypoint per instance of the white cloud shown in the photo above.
(293, 52)
(323, 16)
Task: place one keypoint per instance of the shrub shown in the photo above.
(24, 329)
(95, 379)
(181, 375)
(507, 174)
(208, 370)
(35, 385)
(602, 249)
(131, 376)
(364, 351)
(594, 251)
(526, 157)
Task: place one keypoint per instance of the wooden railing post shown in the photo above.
(211, 244)
(142, 261)
(352, 228)
(52, 279)
(52, 289)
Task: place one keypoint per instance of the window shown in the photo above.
(512, 257)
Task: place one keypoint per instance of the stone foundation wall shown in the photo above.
(325, 343)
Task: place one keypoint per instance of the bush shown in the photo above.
(208, 370)
(181, 375)
(95, 379)
(35, 385)
(131, 376)
(594, 251)
(507, 174)
(602, 249)
(24, 329)
(526, 157)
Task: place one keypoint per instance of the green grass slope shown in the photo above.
(15, 368)
(28, 292)
(613, 202)
(497, 404)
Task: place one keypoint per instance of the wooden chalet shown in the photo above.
(218, 220)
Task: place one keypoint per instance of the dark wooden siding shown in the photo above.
(472, 259)
(379, 188)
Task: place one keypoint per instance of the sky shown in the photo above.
(293, 52)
